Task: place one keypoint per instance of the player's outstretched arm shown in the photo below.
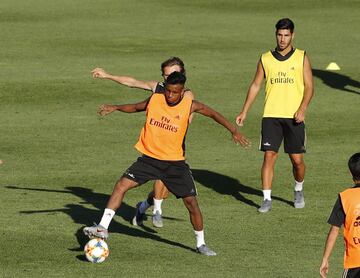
(330, 242)
(251, 94)
(216, 116)
(107, 109)
(124, 80)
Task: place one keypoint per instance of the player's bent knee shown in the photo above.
(298, 164)
(191, 203)
(297, 161)
(270, 155)
(160, 190)
(163, 194)
(124, 184)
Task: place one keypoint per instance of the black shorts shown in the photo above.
(274, 130)
(351, 272)
(176, 175)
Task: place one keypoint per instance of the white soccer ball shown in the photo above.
(96, 250)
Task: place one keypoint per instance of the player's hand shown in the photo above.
(324, 269)
(99, 73)
(241, 139)
(106, 109)
(240, 119)
(299, 116)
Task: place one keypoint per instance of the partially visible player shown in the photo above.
(161, 143)
(288, 91)
(159, 192)
(346, 212)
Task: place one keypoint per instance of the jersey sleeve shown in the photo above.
(337, 216)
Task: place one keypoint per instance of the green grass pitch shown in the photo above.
(61, 159)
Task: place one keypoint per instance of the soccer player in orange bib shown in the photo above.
(163, 156)
(346, 212)
(159, 192)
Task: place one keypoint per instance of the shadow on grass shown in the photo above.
(84, 216)
(337, 81)
(229, 186)
(88, 196)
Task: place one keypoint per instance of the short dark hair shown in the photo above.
(285, 23)
(173, 61)
(354, 166)
(176, 78)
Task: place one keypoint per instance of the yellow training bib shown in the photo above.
(284, 87)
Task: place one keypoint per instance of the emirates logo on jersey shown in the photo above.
(164, 124)
(282, 78)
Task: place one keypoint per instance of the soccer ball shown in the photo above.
(96, 250)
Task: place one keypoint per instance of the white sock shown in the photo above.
(157, 205)
(106, 218)
(144, 206)
(199, 235)
(267, 194)
(298, 185)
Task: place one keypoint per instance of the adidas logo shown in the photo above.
(267, 144)
(357, 222)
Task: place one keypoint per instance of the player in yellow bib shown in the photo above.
(161, 143)
(288, 91)
(159, 192)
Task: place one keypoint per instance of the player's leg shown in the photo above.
(267, 171)
(294, 145)
(120, 188)
(271, 138)
(267, 175)
(155, 197)
(146, 168)
(138, 173)
(297, 160)
(141, 208)
(194, 212)
(160, 193)
(179, 181)
(298, 163)
(197, 222)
